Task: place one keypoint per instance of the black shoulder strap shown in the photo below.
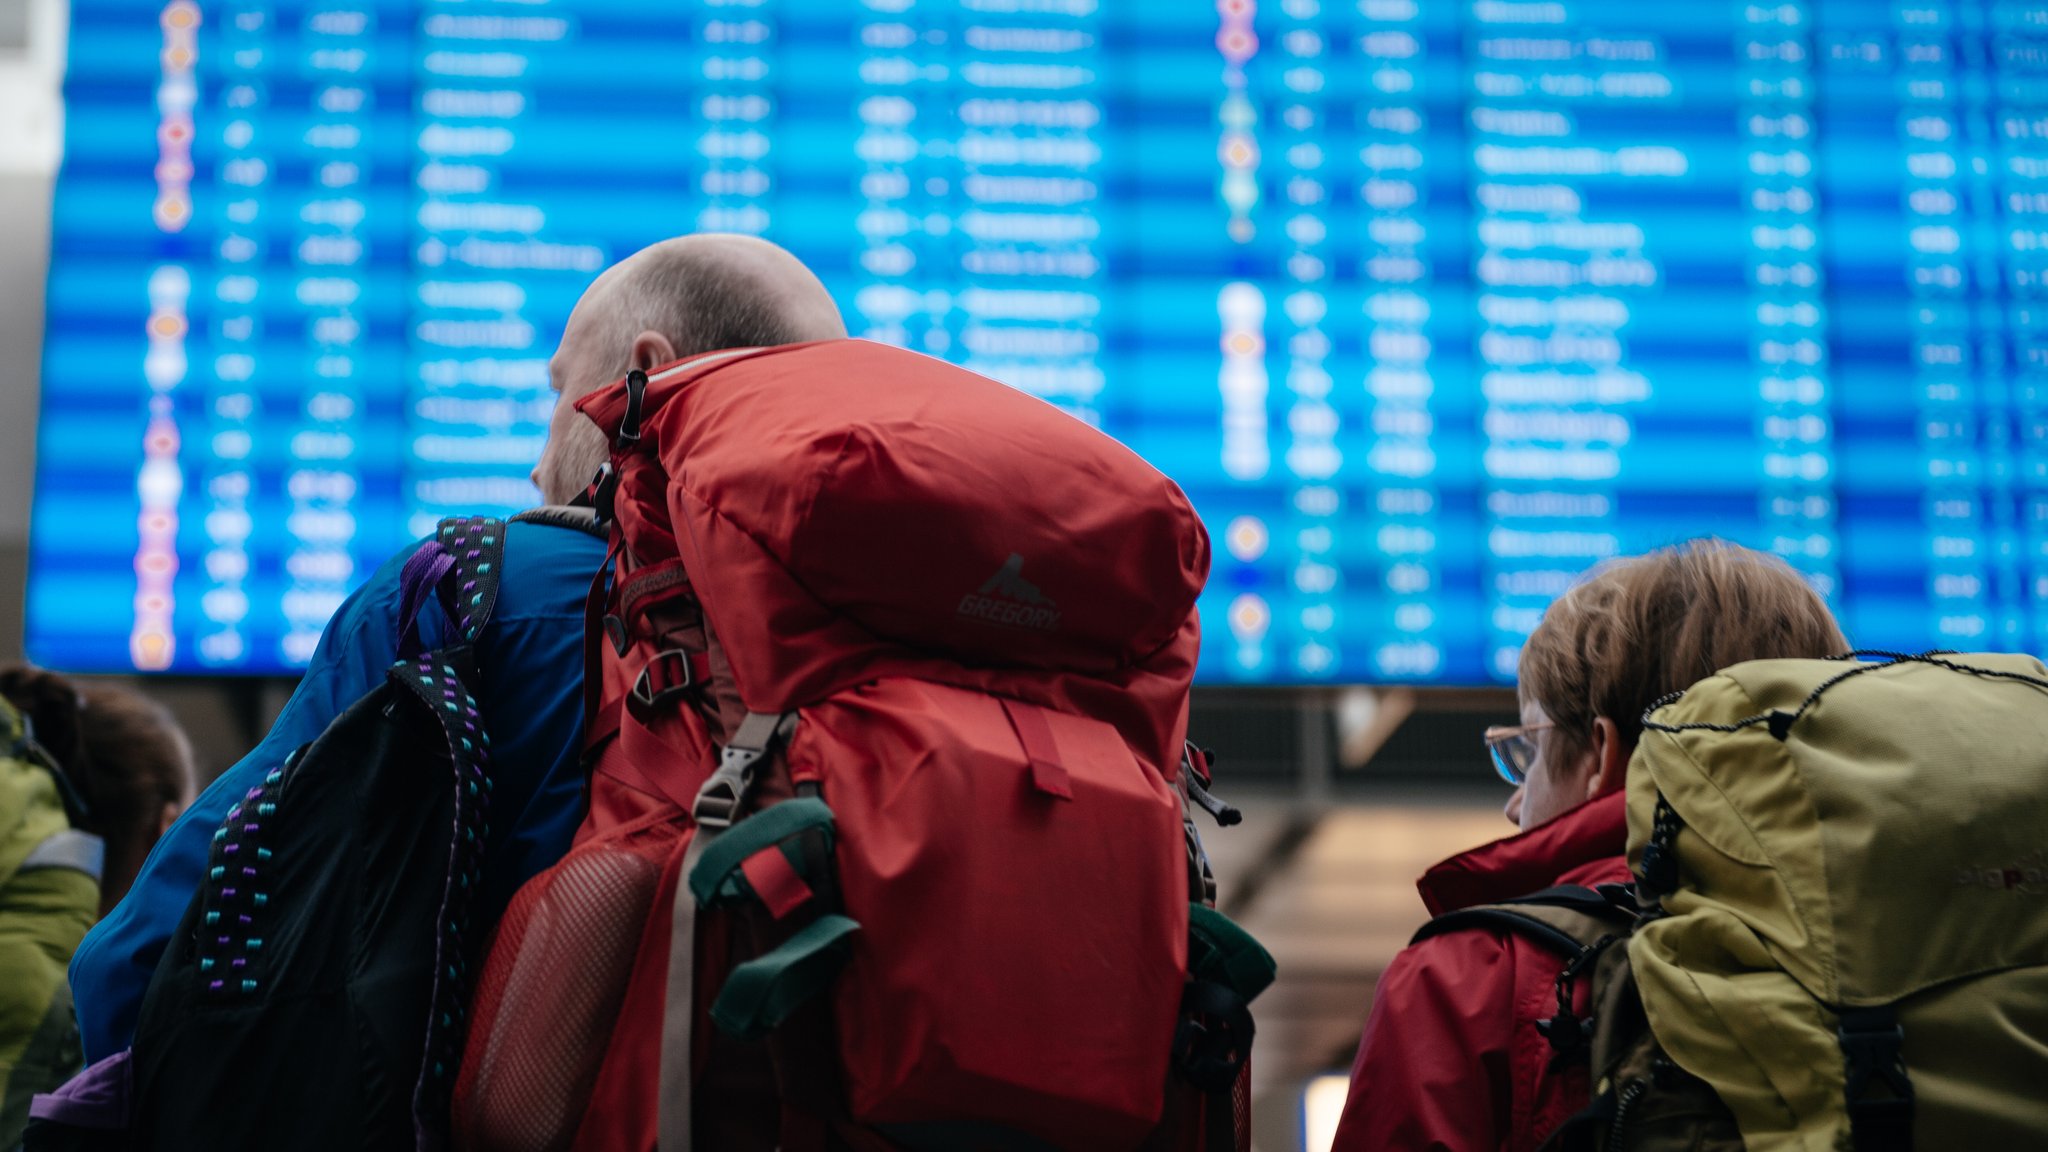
(573, 517)
(1568, 919)
(469, 591)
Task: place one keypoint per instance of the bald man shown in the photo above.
(678, 298)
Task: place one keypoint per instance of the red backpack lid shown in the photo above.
(837, 503)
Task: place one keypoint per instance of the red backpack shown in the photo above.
(887, 681)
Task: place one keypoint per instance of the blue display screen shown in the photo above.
(1429, 306)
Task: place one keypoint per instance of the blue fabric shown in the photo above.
(531, 658)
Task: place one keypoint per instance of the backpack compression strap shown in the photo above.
(1568, 919)
(718, 804)
(1579, 924)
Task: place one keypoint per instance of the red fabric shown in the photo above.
(849, 511)
(1040, 944)
(775, 880)
(1451, 1059)
(898, 550)
(1048, 775)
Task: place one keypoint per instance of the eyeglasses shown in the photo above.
(1513, 751)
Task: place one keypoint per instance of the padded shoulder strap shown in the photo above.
(1568, 919)
(576, 518)
(470, 590)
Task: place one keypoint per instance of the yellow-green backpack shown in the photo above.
(1838, 936)
(49, 897)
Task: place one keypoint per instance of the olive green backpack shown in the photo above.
(1838, 936)
(49, 896)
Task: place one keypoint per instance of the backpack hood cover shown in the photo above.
(847, 510)
(1889, 850)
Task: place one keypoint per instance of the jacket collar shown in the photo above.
(1528, 861)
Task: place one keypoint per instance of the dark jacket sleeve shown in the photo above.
(1432, 1071)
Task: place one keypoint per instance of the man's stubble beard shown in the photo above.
(571, 460)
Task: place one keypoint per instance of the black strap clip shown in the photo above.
(1214, 1037)
(636, 396)
(1195, 766)
(1659, 875)
(603, 492)
(1878, 1090)
(1571, 1036)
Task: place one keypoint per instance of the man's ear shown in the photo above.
(1610, 759)
(652, 349)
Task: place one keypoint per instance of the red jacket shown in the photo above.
(1451, 1059)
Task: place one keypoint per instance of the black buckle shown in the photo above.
(1659, 875)
(1871, 1040)
(1214, 1037)
(1877, 1088)
(644, 696)
(636, 395)
(615, 631)
(1195, 766)
(603, 490)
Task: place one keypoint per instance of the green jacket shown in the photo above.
(49, 897)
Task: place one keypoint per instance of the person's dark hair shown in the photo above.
(703, 302)
(122, 752)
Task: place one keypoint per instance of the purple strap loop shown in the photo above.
(422, 574)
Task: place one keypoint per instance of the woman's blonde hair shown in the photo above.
(1638, 628)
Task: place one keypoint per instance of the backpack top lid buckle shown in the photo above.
(1879, 1093)
(718, 801)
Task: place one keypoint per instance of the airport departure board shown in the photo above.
(1428, 304)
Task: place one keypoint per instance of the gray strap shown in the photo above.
(718, 803)
(573, 517)
(78, 851)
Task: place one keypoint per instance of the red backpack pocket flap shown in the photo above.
(1021, 953)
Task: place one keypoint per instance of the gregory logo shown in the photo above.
(1008, 598)
(2027, 876)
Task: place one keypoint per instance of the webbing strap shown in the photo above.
(711, 880)
(70, 849)
(673, 1128)
(576, 518)
(761, 994)
(1048, 775)
(718, 803)
(775, 881)
(422, 573)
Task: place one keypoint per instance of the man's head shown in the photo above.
(1638, 629)
(681, 297)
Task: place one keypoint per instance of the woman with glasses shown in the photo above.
(1452, 1057)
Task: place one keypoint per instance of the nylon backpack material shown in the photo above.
(1853, 945)
(1838, 936)
(890, 841)
(315, 994)
(49, 896)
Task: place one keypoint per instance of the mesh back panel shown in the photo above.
(549, 995)
(1241, 1107)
